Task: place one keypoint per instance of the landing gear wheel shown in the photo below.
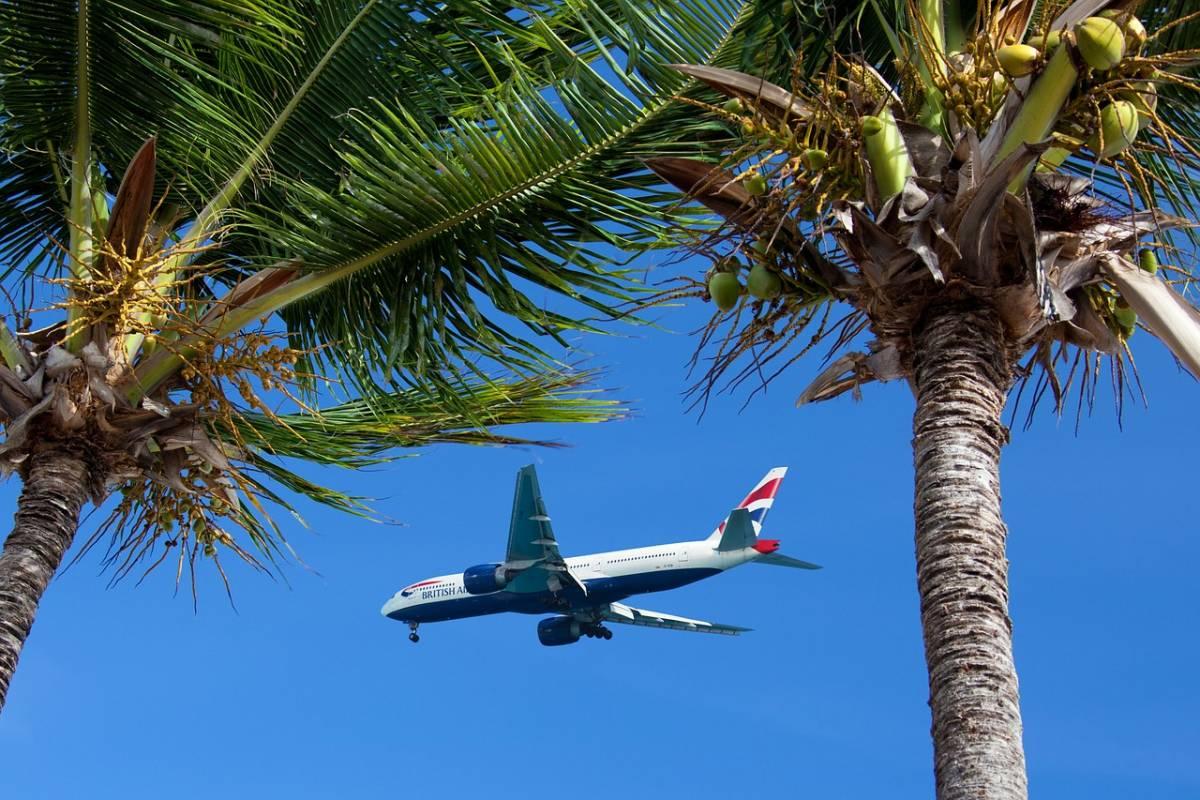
(606, 633)
(412, 637)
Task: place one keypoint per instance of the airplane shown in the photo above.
(584, 592)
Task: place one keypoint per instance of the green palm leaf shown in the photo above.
(432, 177)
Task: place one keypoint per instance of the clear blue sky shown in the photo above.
(306, 692)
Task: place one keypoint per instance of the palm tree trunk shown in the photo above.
(962, 372)
(56, 486)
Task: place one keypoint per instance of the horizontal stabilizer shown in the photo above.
(780, 560)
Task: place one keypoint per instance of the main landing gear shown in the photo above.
(413, 637)
(596, 631)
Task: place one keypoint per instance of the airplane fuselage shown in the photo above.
(608, 577)
(584, 593)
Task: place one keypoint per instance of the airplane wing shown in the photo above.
(616, 612)
(532, 549)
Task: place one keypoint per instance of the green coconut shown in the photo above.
(1101, 42)
(1131, 26)
(1144, 96)
(733, 106)
(724, 289)
(814, 158)
(763, 283)
(1051, 40)
(1018, 60)
(755, 184)
(1148, 260)
(1125, 317)
(1119, 126)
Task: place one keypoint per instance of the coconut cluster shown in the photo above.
(802, 158)
(763, 281)
(1115, 92)
(808, 162)
(948, 183)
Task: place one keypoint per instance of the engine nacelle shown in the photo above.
(558, 630)
(484, 578)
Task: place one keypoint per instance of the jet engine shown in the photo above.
(558, 630)
(484, 578)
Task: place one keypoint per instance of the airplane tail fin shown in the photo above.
(743, 527)
(756, 505)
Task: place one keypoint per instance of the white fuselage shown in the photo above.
(609, 577)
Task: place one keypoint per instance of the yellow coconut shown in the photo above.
(1018, 60)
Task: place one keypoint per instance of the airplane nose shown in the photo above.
(391, 605)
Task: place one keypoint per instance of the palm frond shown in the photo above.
(357, 434)
(221, 496)
(446, 192)
(131, 72)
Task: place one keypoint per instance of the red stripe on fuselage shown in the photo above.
(419, 585)
(764, 492)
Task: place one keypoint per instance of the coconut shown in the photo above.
(1050, 42)
(763, 283)
(1131, 26)
(814, 158)
(733, 106)
(724, 289)
(1118, 128)
(1144, 96)
(755, 184)
(1100, 42)
(1148, 260)
(1018, 59)
(1125, 317)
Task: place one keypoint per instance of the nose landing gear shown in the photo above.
(413, 637)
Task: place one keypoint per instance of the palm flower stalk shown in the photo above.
(974, 256)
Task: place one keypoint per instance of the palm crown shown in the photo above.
(1033, 176)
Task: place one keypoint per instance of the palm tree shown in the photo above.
(231, 213)
(988, 212)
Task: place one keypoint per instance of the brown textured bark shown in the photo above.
(962, 373)
(56, 482)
